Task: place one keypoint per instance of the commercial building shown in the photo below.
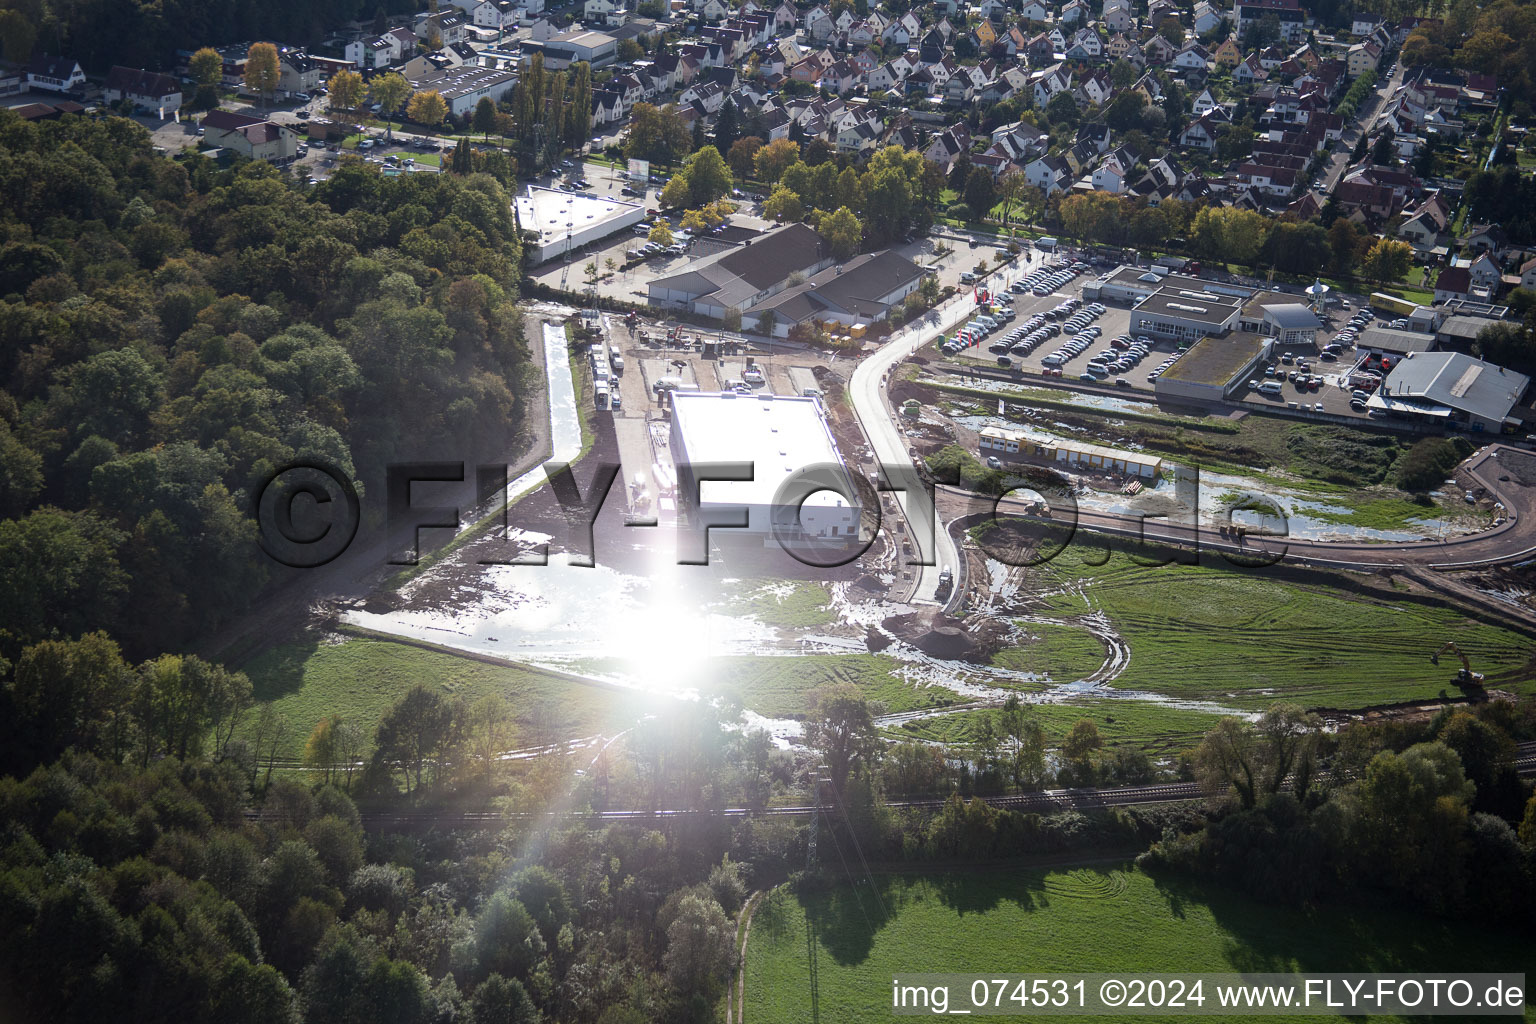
(464, 86)
(560, 222)
(1452, 389)
(743, 277)
(1185, 315)
(781, 437)
(1388, 341)
(596, 48)
(1128, 285)
(1214, 369)
(1002, 442)
(857, 292)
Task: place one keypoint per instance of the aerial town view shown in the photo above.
(767, 511)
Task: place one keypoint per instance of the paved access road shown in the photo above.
(867, 390)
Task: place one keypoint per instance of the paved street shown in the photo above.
(867, 391)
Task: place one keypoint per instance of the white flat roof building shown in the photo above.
(566, 221)
(780, 435)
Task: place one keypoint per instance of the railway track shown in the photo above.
(1524, 763)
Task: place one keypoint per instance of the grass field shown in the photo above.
(1105, 918)
(1062, 652)
(778, 687)
(787, 605)
(1246, 639)
(1155, 728)
(360, 679)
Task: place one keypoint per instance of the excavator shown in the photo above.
(1467, 681)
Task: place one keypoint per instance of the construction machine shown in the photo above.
(1467, 681)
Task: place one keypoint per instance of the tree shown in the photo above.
(263, 72)
(783, 205)
(1124, 74)
(1382, 150)
(389, 92)
(841, 729)
(980, 193)
(206, 69)
(743, 156)
(17, 36)
(1228, 761)
(773, 158)
(463, 159)
(428, 108)
(1082, 740)
(501, 1000)
(707, 175)
(701, 950)
(1062, 110)
(676, 192)
(484, 119)
(727, 127)
(346, 90)
(657, 134)
(842, 231)
(661, 234)
(414, 733)
(1387, 260)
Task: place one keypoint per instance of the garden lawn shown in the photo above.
(1106, 918)
(787, 605)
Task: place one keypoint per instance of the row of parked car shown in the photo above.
(1023, 339)
(979, 327)
(1044, 281)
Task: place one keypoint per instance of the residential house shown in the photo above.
(985, 35)
(1193, 57)
(1488, 238)
(1034, 10)
(1158, 49)
(1086, 45)
(1117, 16)
(1250, 71)
(1095, 135)
(1113, 172)
(54, 74)
(1207, 16)
(1227, 54)
(1486, 273)
(1094, 88)
(1528, 274)
(146, 90)
(1453, 283)
(1075, 12)
(1051, 174)
(1204, 103)
(1425, 224)
(255, 138)
(1363, 58)
(1048, 82)
(819, 24)
(1288, 12)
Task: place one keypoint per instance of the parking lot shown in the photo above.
(1063, 357)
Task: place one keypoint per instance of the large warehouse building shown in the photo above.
(780, 436)
(566, 221)
(1454, 390)
(860, 291)
(742, 277)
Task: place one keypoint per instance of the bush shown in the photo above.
(1426, 464)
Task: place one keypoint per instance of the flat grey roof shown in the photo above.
(1387, 339)
(1458, 381)
(1292, 316)
(1215, 311)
